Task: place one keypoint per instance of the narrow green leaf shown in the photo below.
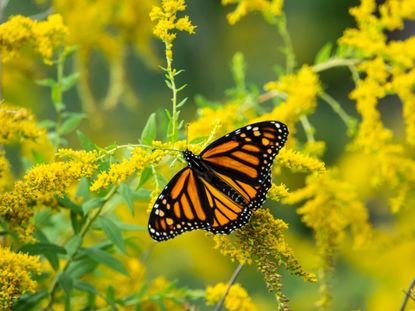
(81, 267)
(83, 188)
(105, 258)
(144, 177)
(130, 227)
(42, 248)
(128, 196)
(69, 81)
(182, 88)
(168, 83)
(56, 93)
(86, 143)
(66, 282)
(46, 82)
(112, 231)
(324, 53)
(182, 102)
(65, 201)
(90, 204)
(71, 123)
(199, 140)
(47, 124)
(73, 244)
(85, 287)
(150, 130)
(29, 302)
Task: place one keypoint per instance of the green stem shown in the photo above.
(170, 76)
(335, 62)
(337, 108)
(84, 231)
(308, 128)
(230, 283)
(58, 98)
(408, 295)
(288, 49)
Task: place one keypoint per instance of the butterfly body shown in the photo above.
(220, 188)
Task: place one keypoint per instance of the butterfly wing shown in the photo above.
(180, 207)
(243, 159)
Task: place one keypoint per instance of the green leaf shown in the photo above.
(85, 287)
(324, 53)
(144, 177)
(47, 124)
(42, 249)
(71, 123)
(182, 102)
(46, 82)
(73, 244)
(90, 204)
(105, 258)
(28, 302)
(56, 94)
(81, 267)
(66, 282)
(130, 227)
(83, 188)
(69, 81)
(112, 231)
(150, 130)
(86, 143)
(128, 196)
(65, 201)
(168, 83)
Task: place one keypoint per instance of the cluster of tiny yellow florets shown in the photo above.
(43, 36)
(15, 278)
(41, 185)
(237, 298)
(266, 7)
(262, 242)
(18, 124)
(167, 21)
(5, 176)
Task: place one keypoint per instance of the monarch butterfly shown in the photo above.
(220, 188)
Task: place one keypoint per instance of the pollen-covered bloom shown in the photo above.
(18, 124)
(44, 36)
(15, 277)
(243, 7)
(262, 242)
(41, 185)
(298, 101)
(237, 298)
(167, 22)
(5, 176)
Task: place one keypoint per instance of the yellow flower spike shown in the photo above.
(276, 193)
(40, 186)
(299, 162)
(44, 36)
(266, 7)
(167, 21)
(262, 242)
(237, 298)
(15, 276)
(5, 174)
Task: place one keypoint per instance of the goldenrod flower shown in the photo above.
(167, 21)
(262, 242)
(299, 162)
(43, 36)
(15, 269)
(299, 101)
(237, 298)
(40, 185)
(5, 174)
(266, 7)
(18, 124)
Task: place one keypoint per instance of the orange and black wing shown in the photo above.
(180, 207)
(243, 159)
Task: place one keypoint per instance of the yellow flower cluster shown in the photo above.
(18, 124)
(262, 242)
(119, 172)
(237, 298)
(331, 206)
(300, 101)
(297, 161)
(167, 21)
(15, 269)
(41, 185)
(43, 36)
(5, 175)
(266, 7)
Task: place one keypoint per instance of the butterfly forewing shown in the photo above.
(180, 207)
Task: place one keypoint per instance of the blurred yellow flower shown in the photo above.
(167, 21)
(15, 276)
(40, 186)
(18, 124)
(5, 174)
(237, 298)
(266, 7)
(43, 36)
